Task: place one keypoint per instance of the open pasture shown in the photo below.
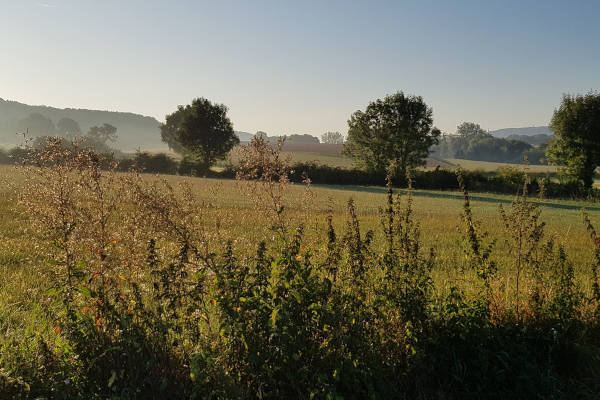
(488, 166)
(438, 214)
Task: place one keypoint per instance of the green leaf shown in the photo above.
(84, 291)
(52, 292)
(274, 316)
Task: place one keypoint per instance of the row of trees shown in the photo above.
(97, 138)
(37, 129)
(398, 130)
(471, 142)
(294, 138)
(36, 124)
(327, 138)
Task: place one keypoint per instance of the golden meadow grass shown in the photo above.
(438, 213)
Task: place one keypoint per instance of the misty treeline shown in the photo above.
(471, 142)
(330, 137)
(134, 129)
(36, 131)
(294, 138)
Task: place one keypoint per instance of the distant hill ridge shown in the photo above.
(529, 131)
(244, 136)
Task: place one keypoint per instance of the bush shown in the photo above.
(4, 157)
(159, 163)
(190, 166)
(18, 155)
(511, 176)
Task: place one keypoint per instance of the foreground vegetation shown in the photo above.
(120, 285)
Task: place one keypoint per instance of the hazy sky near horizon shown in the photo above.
(302, 67)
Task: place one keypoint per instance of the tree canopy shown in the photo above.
(576, 126)
(201, 129)
(396, 129)
(68, 127)
(470, 130)
(103, 134)
(332, 138)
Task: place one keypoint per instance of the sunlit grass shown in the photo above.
(438, 214)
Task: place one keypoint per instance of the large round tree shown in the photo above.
(576, 125)
(201, 130)
(396, 129)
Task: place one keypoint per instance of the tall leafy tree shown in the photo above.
(201, 129)
(103, 134)
(396, 129)
(470, 130)
(332, 138)
(576, 125)
(261, 134)
(98, 137)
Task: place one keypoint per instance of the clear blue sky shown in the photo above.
(302, 66)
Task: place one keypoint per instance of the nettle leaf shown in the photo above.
(84, 291)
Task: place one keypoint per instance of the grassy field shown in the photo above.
(493, 166)
(438, 214)
(233, 211)
(332, 155)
